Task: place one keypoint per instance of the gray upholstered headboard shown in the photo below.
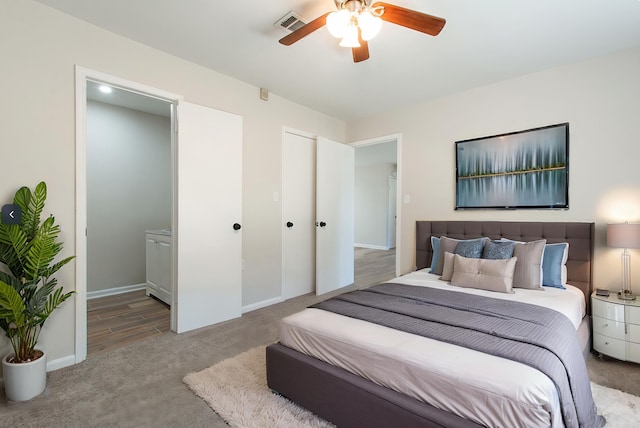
(580, 237)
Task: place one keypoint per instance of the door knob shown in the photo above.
(289, 224)
(236, 226)
(323, 224)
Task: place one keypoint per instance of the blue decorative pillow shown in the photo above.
(553, 265)
(449, 245)
(470, 249)
(435, 246)
(498, 250)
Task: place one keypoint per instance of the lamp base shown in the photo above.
(626, 295)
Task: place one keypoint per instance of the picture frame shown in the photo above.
(523, 169)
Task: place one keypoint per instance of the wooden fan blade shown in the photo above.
(301, 32)
(418, 21)
(362, 53)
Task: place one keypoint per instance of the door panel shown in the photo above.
(298, 215)
(209, 199)
(334, 215)
(391, 212)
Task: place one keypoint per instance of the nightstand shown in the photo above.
(616, 327)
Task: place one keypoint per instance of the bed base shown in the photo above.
(324, 389)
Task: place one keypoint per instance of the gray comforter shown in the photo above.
(530, 334)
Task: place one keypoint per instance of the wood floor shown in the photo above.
(115, 321)
(119, 320)
(373, 266)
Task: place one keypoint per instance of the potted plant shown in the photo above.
(28, 291)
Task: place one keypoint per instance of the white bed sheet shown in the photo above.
(570, 302)
(486, 389)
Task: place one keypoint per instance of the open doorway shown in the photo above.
(119, 127)
(209, 191)
(129, 215)
(376, 201)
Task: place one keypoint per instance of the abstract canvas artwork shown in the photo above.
(524, 169)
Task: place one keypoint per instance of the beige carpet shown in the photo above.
(237, 390)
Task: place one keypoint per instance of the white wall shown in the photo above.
(41, 46)
(128, 191)
(372, 204)
(599, 98)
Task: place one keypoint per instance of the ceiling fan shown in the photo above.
(358, 21)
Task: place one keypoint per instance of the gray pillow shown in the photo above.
(528, 272)
(498, 250)
(484, 274)
(447, 269)
(448, 245)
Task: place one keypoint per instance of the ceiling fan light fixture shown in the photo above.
(358, 21)
(350, 39)
(369, 25)
(338, 22)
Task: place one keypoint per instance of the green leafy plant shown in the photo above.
(28, 292)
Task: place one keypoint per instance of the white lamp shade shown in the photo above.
(623, 235)
(350, 39)
(338, 22)
(369, 25)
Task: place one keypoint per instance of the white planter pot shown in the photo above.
(24, 381)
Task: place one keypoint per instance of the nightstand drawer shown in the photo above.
(610, 311)
(633, 352)
(609, 328)
(633, 314)
(615, 348)
(633, 331)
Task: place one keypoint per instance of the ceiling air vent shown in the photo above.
(290, 22)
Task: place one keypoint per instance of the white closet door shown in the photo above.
(334, 215)
(392, 212)
(208, 240)
(298, 214)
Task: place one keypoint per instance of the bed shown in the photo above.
(331, 365)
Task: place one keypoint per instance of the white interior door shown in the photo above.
(335, 186)
(298, 214)
(391, 210)
(209, 198)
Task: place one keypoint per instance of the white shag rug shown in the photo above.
(621, 410)
(236, 389)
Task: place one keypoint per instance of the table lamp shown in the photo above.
(624, 235)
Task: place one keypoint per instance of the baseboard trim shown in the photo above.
(262, 304)
(59, 363)
(56, 364)
(373, 247)
(115, 290)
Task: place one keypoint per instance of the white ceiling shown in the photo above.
(483, 42)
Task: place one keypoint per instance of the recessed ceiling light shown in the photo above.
(105, 89)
